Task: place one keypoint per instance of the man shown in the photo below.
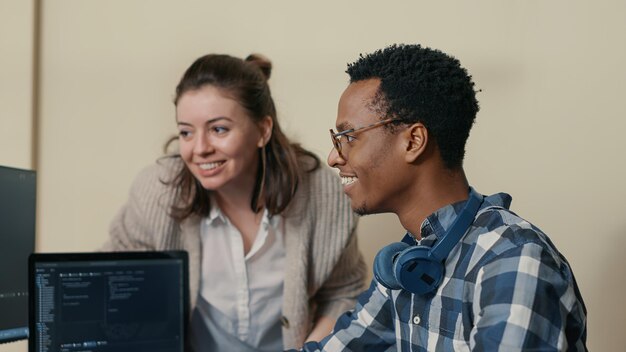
(470, 275)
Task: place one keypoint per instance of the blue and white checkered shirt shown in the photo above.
(506, 288)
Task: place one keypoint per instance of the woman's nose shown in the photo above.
(203, 145)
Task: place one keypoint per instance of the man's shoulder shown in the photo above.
(507, 223)
(498, 230)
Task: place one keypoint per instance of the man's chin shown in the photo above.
(361, 210)
(365, 209)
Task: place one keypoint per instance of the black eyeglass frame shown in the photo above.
(336, 136)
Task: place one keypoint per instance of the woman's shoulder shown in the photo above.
(322, 177)
(321, 188)
(158, 174)
(165, 167)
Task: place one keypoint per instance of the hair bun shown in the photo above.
(262, 62)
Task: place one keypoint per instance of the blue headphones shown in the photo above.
(419, 269)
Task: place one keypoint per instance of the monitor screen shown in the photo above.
(17, 241)
(117, 302)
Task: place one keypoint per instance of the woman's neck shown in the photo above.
(238, 211)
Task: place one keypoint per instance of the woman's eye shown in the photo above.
(219, 129)
(184, 134)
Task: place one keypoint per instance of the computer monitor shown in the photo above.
(108, 301)
(17, 242)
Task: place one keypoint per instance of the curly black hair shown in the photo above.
(420, 84)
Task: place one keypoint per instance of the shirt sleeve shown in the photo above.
(522, 300)
(144, 218)
(369, 327)
(346, 282)
(337, 270)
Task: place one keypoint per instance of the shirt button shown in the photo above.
(284, 322)
(416, 319)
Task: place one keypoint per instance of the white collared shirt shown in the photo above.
(240, 300)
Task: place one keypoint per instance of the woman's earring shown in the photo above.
(260, 186)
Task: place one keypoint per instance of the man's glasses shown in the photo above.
(336, 137)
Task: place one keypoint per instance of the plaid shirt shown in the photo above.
(506, 288)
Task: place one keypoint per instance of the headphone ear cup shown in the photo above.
(384, 264)
(417, 271)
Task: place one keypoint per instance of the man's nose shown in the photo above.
(334, 159)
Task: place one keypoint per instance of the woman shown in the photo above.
(271, 237)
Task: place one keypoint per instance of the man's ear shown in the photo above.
(265, 127)
(416, 140)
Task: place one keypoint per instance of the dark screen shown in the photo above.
(117, 306)
(17, 241)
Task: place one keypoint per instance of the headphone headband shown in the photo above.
(420, 269)
(442, 248)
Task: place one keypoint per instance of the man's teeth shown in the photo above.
(348, 180)
(210, 166)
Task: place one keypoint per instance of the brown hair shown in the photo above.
(281, 164)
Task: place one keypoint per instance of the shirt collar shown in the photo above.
(437, 223)
(216, 216)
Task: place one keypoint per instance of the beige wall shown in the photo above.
(16, 54)
(549, 130)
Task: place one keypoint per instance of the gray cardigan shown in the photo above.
(325, 270)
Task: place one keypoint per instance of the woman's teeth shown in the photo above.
(210, 166)
(348, 180)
